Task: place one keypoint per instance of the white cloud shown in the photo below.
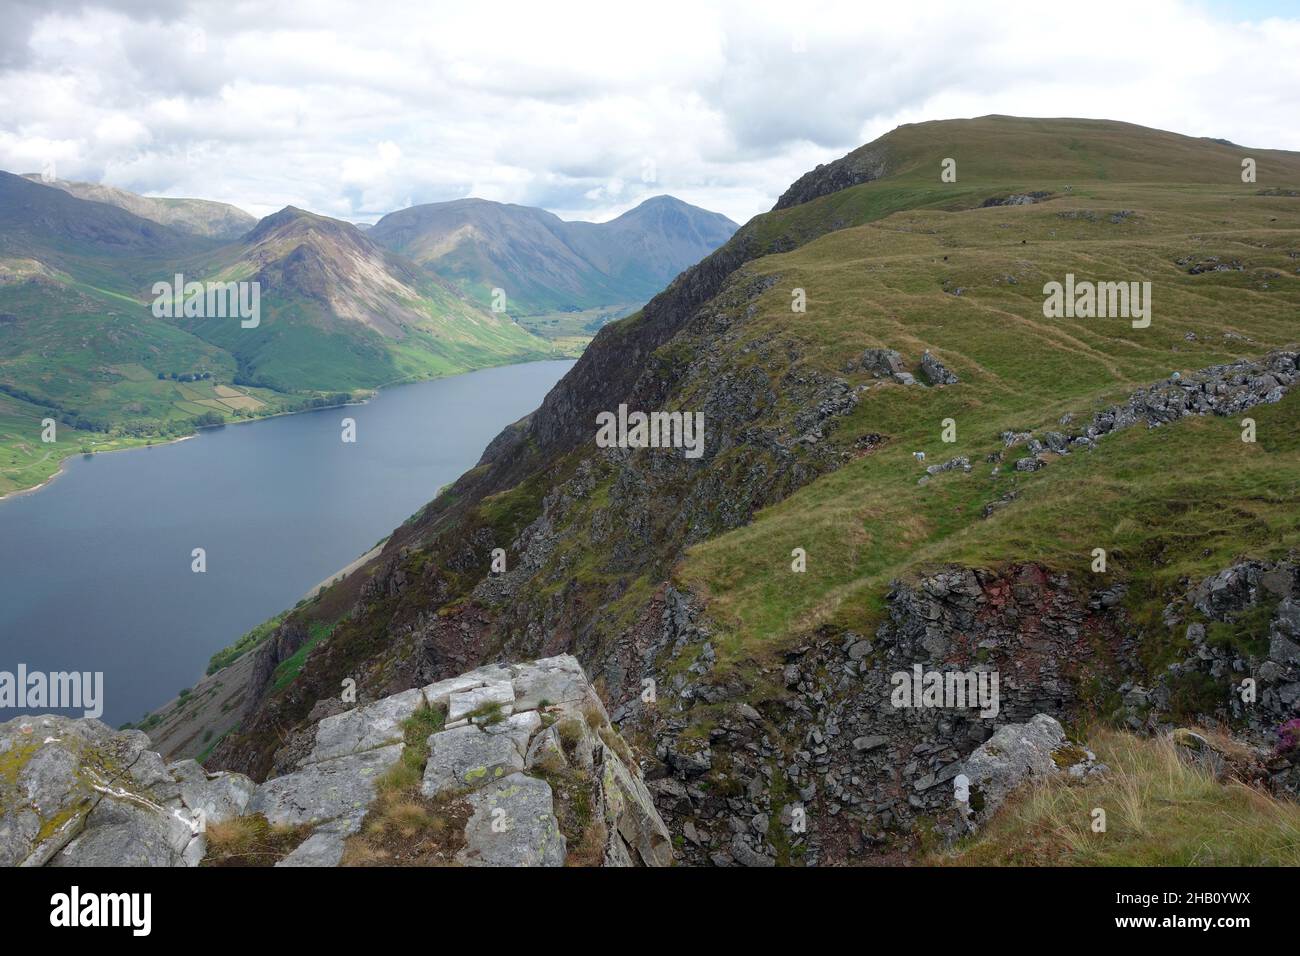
(354, 109)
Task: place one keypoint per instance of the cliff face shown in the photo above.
(510, 765)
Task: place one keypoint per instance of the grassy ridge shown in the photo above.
(1192, 496)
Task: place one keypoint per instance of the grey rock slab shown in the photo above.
(121, 833)
(220, 797)
(19, 831)
(325, 846)
(149, 772)
(465, 702)
(519, 728)
(630, 813)
(556, 680)
(513, 824)
(439, 693)
(364, 728)
(50, 780)
(325, 790)
(468, 757)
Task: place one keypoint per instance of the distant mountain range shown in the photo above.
(546, 265)
(341, 310)
(199, 217)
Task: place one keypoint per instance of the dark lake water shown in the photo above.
(95, 568)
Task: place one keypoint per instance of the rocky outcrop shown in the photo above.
(78, 793)
(863, 165)
(508, 728)
(1241, 667)
(1017, 755)
(832, 770)
(1015, 199)
(1219, 390)
(83, 794)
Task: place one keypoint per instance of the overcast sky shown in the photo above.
(357, 109)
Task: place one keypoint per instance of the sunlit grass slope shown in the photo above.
(929, 269)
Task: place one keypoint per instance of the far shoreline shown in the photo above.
(23, 492)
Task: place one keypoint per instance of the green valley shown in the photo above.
(80, 343)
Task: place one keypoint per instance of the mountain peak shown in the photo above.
(547, 264)
(291, 219)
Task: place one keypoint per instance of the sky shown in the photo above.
(355, 109)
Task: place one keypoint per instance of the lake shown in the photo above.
(95, 568)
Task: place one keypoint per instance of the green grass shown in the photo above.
(289, 668)
(228, 655)
(1170, 503)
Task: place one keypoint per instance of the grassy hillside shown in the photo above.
(338, 309)
(1193, 492)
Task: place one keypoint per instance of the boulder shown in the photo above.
(882, 363)
(218, 796)
(75, 792)
(1015, 755)
(935, 372)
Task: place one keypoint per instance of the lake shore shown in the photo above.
(62, 469)
(369, 396)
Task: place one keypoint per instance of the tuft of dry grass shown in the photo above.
(1160, 810)
(251, 841)
(405, 828)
